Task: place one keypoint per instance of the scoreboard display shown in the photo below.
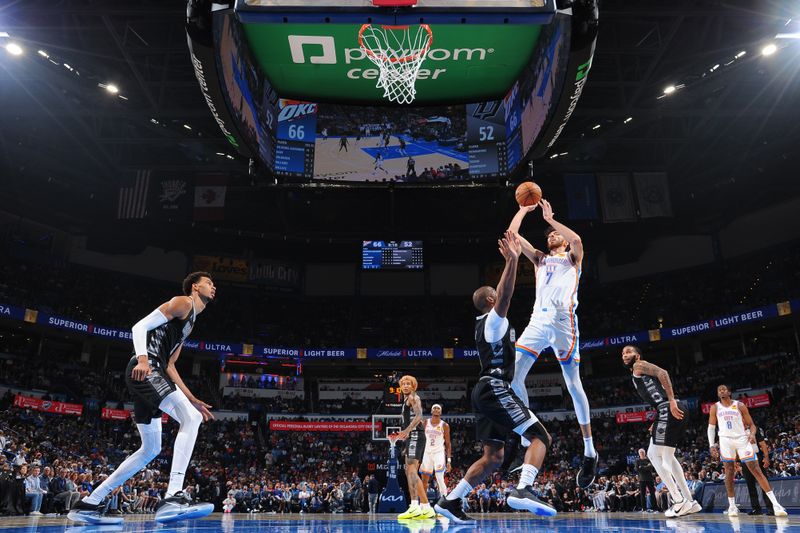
(486, 139)
(391, 255)
(296, 137)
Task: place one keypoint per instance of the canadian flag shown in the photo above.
(209, 196)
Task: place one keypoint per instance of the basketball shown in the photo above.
(528, 193)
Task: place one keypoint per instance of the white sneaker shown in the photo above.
(691, 508)
(672, 512)
(732, 511)
(35, 513)
(779, 510)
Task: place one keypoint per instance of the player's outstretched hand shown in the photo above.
(203, 407)
(547, 210)
(528, 208)
(675, 410)
(506, 250)
(512, 240)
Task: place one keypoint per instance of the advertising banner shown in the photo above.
(7, 311)
(288, 425)
(759, 400)
(48, 406)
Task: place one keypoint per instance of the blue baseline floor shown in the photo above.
(490, 523)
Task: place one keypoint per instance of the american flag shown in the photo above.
(133, 200)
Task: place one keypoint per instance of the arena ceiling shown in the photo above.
(727, 139)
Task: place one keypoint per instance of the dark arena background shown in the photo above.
(340, 236)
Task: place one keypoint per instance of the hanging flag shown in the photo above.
(170, 198)
(652, 191)
(133, 199)
(581, 196)
(616, 197)
(209, 196)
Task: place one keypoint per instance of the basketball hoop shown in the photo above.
(393, 439)
(398, 52)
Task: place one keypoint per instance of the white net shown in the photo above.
(398, 52)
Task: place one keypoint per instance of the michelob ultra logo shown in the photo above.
(321, 50)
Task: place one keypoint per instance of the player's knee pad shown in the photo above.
(538, 431)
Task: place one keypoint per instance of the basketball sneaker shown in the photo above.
(676, 508)
(732, 511)
(426, 513)
(452, 510)
(779, 510)
(587, 471)
(179, 506)
(87, 513)
(693, 507)
(525, 500)
(413, 511)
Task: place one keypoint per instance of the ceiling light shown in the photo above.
(113, 89)
(669, 89)
(43, 54)
(5, 33)
(14, 49)
(769, 49)
(596, 127)
(740, 54)
(553, 156)
(188, 127)
(627, 120)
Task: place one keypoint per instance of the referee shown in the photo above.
(762, 453)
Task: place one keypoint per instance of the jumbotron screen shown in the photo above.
(391, 255)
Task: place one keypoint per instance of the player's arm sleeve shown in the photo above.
(495, 327)
(712, 434)
(140, 329)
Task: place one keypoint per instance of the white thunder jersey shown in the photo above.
(434, 437)
(556, 285)
(730, 421)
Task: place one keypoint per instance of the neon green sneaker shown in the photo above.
(413, 511)
(426, 514)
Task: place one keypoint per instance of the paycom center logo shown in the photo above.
(321, 50)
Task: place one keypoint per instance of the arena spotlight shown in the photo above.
(769, 49)
(113, 89)
(44, 54)
(627, 120)
(14, 49)
(669, 89)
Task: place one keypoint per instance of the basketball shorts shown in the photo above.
(498, 411)
(731, 447)
(432, 461)
(415, 446)
(148, 394)
(668, 430)
(557, 330)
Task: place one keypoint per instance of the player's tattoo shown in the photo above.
(649, 369)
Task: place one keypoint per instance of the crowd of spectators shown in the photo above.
(250, 315)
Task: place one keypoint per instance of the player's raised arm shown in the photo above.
(510, 248)
(574, 240)
(644, 368)
(527, 248)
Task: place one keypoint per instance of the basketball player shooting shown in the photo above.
(654, 386)
(554, 322)
(438, 454)
(732, 417)
(498, 410)
(414, 435)
(156, 387)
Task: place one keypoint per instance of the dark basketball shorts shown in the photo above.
(148, 394)
(415, 446)
(668, 430)
(498, 410)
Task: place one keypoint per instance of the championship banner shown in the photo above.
(16, 313)
(638, 416)
(223, 268)
(287, 425)
(759, 400)
(47, 406)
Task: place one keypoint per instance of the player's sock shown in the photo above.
(441, 483)
(462, 489)
(426, 506)
(731, 502)
(178, 406)
(588, 447)
(772, 498)
(414, 503)
(529, 473)
(150, 448)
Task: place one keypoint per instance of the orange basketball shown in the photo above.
(528, 193)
